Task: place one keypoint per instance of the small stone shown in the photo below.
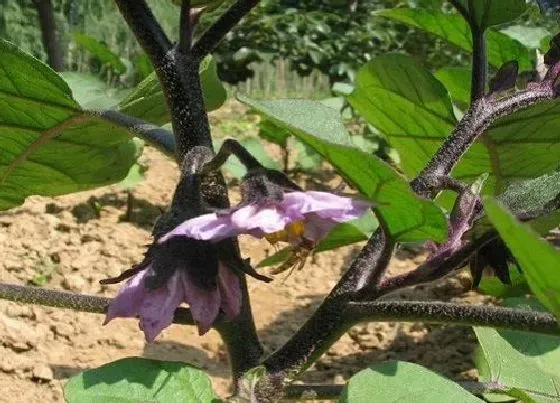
(63, 329)
(43, 372)
(23, 311)
(74, 282)
(17, 335)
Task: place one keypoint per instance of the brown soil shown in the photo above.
(67, 241)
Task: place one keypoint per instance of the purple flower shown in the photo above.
(167, 278)
(294, 217)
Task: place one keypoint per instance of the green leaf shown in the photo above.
(531, 37)
(541, 349)
(406, 103)
(454, 29)
(457, 81)
(409, 218)
(148, 101)
(486, 13)
(306, 158)
(534, 196)
(341, 235)
(279, 257)
(101, 51)
(256, 148)
(348, 233)
(270, 131)
(413, 110)
(509, 369)
(403, 382)
(491, 285)
(91, 92)
(141, 380)
(538, 259)
(49, 146)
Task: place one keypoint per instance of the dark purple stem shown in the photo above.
(177, 69)
(210, 39)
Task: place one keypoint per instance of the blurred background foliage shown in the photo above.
(284, 46)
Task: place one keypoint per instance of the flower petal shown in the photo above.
(158, 307)
(204, 304)
(127, 303)
(316, 227)
(204, 227)
(267, 219)
(325, 205)
(230, 292)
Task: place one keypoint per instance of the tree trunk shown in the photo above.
(48, 32)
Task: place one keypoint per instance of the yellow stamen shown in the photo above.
(293, 230)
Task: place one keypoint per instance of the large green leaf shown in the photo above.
(407, 104)
(454, 29)
(48, 145)
(132, 380)
(485, 13)
(101, 51)
(403, 382)
(413, 110)
(538, 259)
(509, 370)
(543, 350)
(408, 217)
(148, 101)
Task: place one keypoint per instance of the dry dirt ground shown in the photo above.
(64, 240)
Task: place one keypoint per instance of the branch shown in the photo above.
(432, 270)
(185, 37)
(77, 302)
(454, 314)
(329, 322)
(479, 72)
(478, 118)
(147, 30)
(210, 39)
(159, 138)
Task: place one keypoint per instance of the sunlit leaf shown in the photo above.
(99, 50)
(321, 128)
(457, 81)
(403, 382)
(486, 13)
(148, 101)
(509, 370)
(49, 145)
(412, 108)
(141, 380)
(537, 258)
(454, 29)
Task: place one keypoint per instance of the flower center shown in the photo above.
(291, 232)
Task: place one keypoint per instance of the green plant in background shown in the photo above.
(477, 178)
